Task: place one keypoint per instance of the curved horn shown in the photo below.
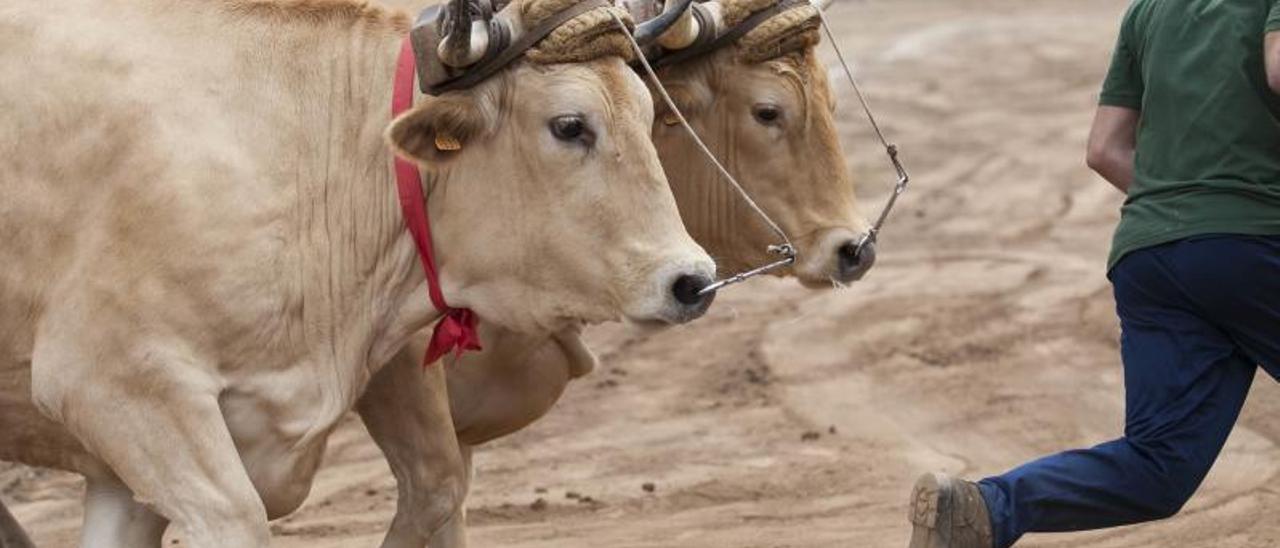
(682, 34)
(468, 38)
(649, 31)
(822, 4)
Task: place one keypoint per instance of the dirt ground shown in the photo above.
(984, 337)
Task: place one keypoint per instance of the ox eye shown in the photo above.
(767, 114)
(572, 128)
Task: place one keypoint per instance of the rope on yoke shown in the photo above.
(785, 249)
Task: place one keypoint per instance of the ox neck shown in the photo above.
(363, 277)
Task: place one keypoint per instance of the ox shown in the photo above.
(204, 262)
(765, 107)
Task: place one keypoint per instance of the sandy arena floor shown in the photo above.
(984, 337)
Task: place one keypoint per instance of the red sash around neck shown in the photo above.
(456, 330)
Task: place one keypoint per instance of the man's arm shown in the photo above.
(1272, 51)
(1112, 142)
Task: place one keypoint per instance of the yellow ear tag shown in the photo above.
(670, 119)
(447, 143)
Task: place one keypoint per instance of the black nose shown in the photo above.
(855, 260)
(686, 290)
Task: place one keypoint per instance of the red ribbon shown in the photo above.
(456, 330)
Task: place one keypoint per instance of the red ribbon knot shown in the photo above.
(456, 332)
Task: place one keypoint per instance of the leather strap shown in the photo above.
(734, 33)
(456, 330)
(488, 67)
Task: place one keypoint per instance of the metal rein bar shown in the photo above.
(891, 149)
(786, 249)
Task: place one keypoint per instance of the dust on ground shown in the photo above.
(984, 337)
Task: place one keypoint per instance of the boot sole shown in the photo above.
(927, 499)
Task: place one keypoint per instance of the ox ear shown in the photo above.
(438, 130)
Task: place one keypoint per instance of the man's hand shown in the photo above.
(1272, 52)
(1112, 142)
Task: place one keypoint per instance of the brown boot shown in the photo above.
(948, 513)
(11, 534)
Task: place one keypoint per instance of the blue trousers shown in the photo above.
(1197, 317)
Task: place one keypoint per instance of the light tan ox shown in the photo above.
(203, 261)
(771, 120)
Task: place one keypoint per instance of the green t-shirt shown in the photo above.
(1208, 156)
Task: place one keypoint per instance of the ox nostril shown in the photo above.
(687, 287)
(856, 259)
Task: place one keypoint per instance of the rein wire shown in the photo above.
(891, 149)
(785, 249)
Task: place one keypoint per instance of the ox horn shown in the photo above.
(468, 38)
(676, 11)
(821, 4)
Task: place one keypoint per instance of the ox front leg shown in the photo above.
(155, 421)
(454, 532)
(113, 519)
(177, 455)
(11, 533)
(406, 410)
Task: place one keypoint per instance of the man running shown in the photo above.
(1189, 127)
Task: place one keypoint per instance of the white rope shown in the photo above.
(866, 107)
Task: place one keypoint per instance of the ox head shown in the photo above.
(762, 103)
(547, 197)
